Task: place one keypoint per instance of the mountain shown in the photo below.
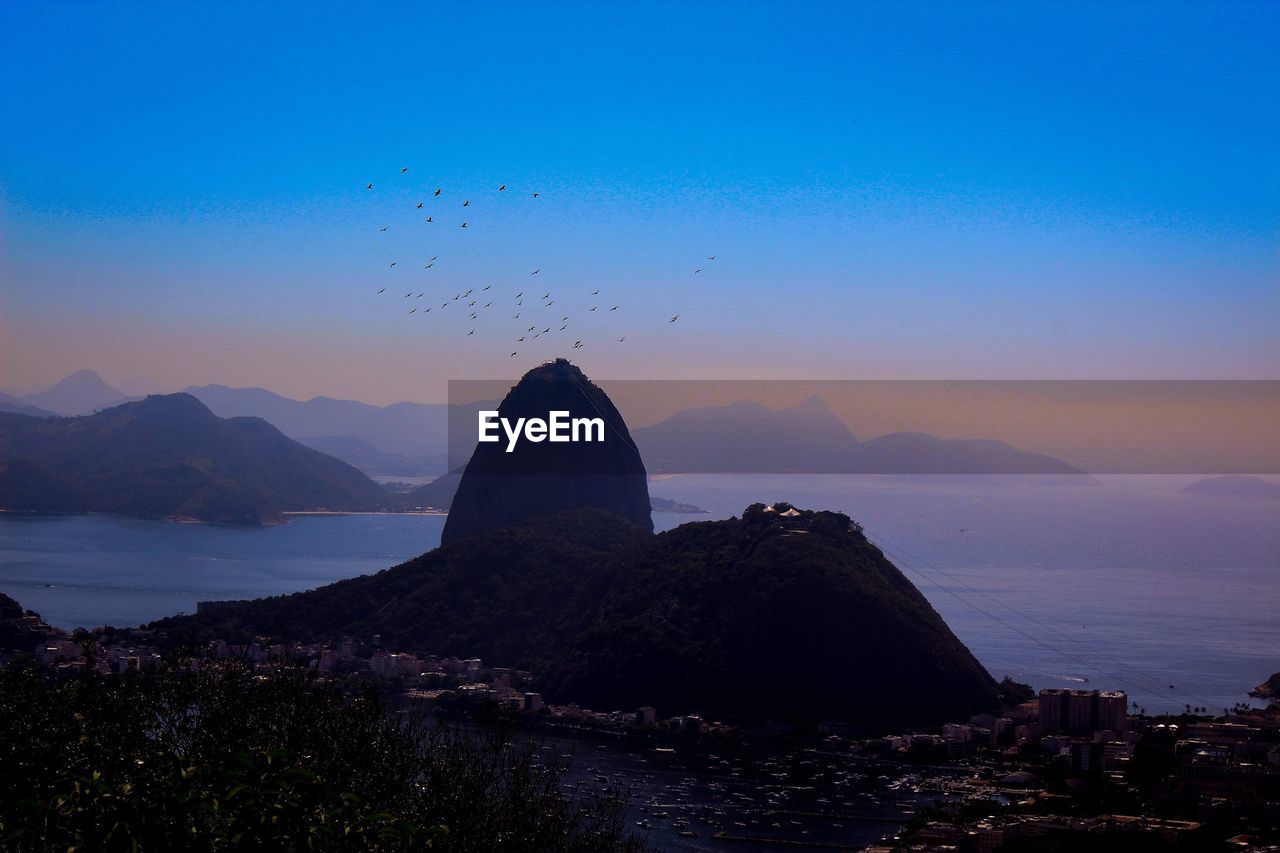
(502, 485)
(666, 505)
(921, 453)
(27, 486)
(13, 405)
(359, 453)
(414, 435)
(438, 495)
(169, 456)
(746, 437)
(1269, 689)
(79, 394)
(1235, 486)
(786, 615)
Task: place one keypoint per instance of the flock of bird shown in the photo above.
(475, 304)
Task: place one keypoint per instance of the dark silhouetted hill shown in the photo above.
(499, 488)
(438, 494)
(169, 456)
(768, 616)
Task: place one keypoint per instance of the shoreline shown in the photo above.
(439, 512)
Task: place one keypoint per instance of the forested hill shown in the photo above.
(772, 615)
(168, 456)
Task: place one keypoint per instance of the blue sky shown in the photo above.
(890, 190)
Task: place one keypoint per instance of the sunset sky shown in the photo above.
(915, 191)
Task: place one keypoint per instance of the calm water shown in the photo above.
(1129, 584)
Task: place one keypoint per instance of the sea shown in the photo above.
(1118, 583)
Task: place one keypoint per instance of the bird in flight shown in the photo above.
(486, 287)
(426, 310)
(438, 191)
(712, 258)
(535, 272)
(429, 219)
(411, 310)
(614, 308)
(393, 263)
(695, 272)
(562, 328)
(535, 195)
(595, 293)
(518, 295)
(382, 290)
(520, 339)
(403, 170)
(419, 205)
(407, 295)
(673, 319)
(488, 304)
(594, 307)
(621, 339)
(470, 333)
(463, 225)
(515, 316)
(430, 265)
(547, 295)
(383, 228)
(502, 188)
(368, 186)
(513, 355)
(577, 344)
(467, 203)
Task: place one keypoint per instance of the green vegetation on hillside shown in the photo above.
(218, 759)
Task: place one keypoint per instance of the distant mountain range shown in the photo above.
(168, 456)
(1235, 486)
(747, 437)
(78, 394)
(412, 439)
(14, 405)
(403, 439)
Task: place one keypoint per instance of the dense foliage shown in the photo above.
(767, 616)
(168, 455)
(216, 759)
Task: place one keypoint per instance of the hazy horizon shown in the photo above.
(1003, 192)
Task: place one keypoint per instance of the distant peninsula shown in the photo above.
(1235, 486)
(169, 457)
